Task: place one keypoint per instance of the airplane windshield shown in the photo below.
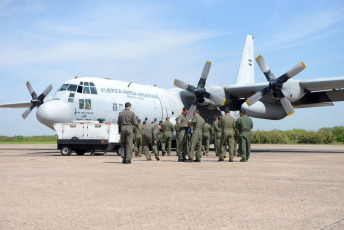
(64, 87)
(72, 87)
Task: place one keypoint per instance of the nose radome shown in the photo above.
(54, 111)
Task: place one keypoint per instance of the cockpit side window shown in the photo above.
(85, 83)
(64, 87)
(72, 87)
(93, 90)
(79, 89)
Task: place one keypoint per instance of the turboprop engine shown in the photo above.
(264, 110)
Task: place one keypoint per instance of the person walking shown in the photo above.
(126, 120)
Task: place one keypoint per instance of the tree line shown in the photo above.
(325, 135)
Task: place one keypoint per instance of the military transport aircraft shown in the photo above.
(90, 99)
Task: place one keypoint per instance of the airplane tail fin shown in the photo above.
(246, 68)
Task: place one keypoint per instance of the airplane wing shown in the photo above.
(319, 92)
(244, 90)
(16, 105)
(323, 83)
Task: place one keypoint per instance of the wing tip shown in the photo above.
(258, 57)
(175, 80)
(247, 103)
(303, 64)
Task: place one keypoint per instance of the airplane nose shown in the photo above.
(54, 111)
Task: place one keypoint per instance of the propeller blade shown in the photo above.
(254, 98)
(217, 99)
(257, 96)
(32, 92)
(192, 109)
(204, 75)
(28, 111)
(29, 87)
(184, 85)
(47, 90)
(296, 69)
(287, 106)
(264, 68)
(45, 93)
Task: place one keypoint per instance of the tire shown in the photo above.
(118, 151)
(80, 152)
(66, 151)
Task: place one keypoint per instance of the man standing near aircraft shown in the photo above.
(176, 128)
(167, 136)
(138, 139)
(126, 120)
(182, 135)
(217, 131)
(149, 135)
(244, 124)
(196, 141)
(206, 131)
(227, 123)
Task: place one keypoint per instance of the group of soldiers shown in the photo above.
(225, 131)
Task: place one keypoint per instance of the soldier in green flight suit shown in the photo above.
(182, 135)
(138, 139)
(149, 138)
(160, 139)
(244, 124)
(176, 127)
(167, 136)
(206, 131)
(227, 123)
(217, 132)
(236, 143)
(126, 120)
(196, 141)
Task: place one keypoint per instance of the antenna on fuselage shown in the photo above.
(129, 84)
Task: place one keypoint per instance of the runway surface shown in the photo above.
(280, 187)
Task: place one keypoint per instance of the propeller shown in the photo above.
(275, 84)
(199, 91)
(36, 100)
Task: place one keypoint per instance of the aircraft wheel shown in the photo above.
(80, 152)
(66, 151)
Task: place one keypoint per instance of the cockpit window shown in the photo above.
(81, 83)
(93, 90)
(91, 84)
(72, 87)
(85, 83)
(87, 90)
(64, 87)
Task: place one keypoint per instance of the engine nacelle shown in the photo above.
(264, 110)
(292, 90)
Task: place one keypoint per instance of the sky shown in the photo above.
(154, 42)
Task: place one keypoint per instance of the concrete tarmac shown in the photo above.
(280, 187)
